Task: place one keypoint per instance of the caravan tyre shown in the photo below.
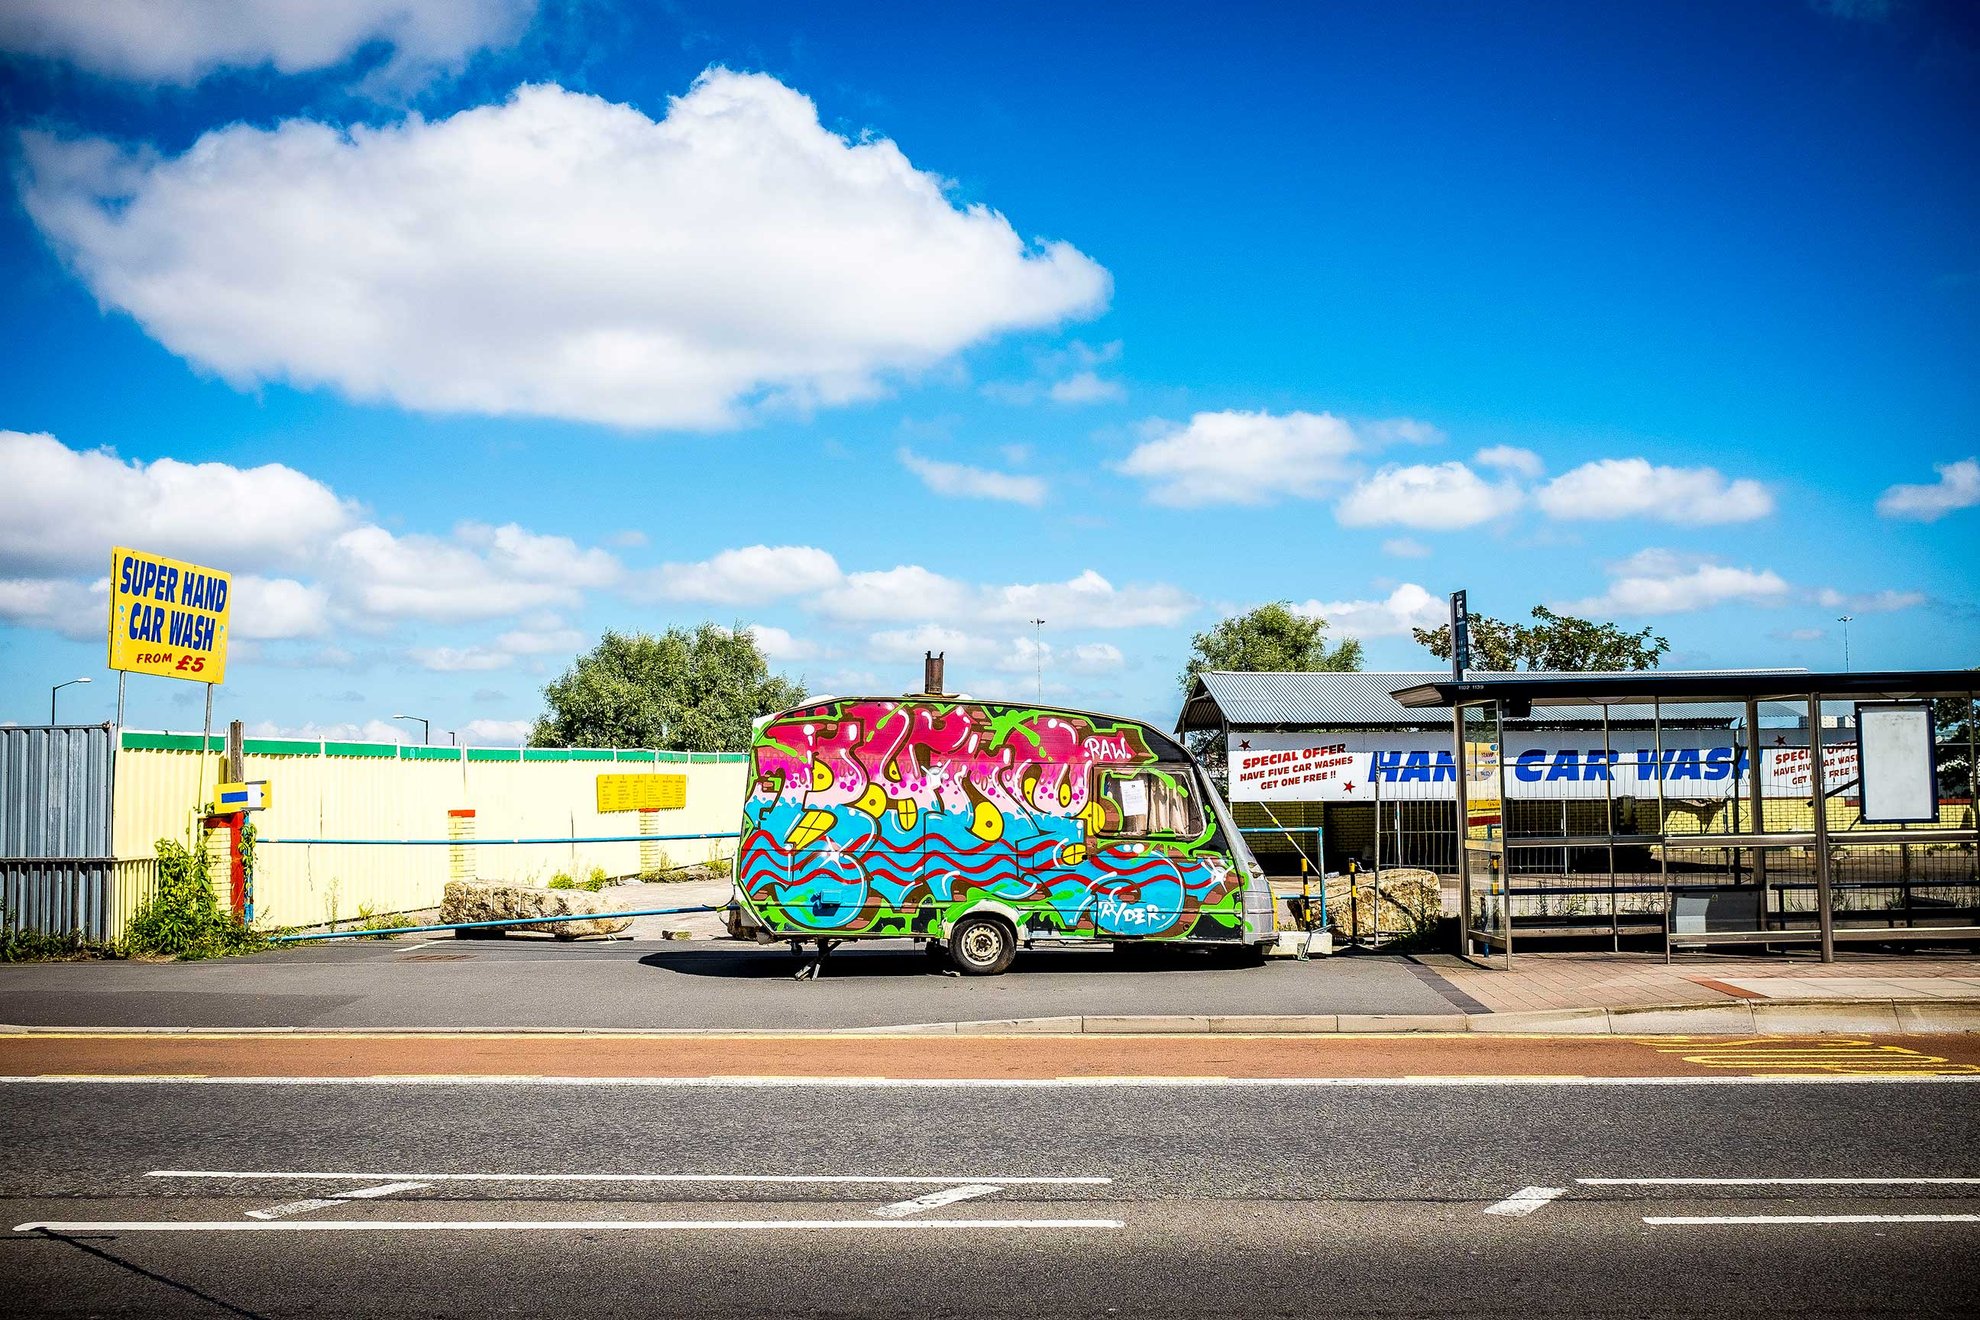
(982, 945)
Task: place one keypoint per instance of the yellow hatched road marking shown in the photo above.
(1843, 1056)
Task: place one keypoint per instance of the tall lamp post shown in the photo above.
(425, 727)
(1038, 653)
(1844, 620)
(57, 688)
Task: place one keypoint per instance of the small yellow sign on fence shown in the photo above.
(650, 792)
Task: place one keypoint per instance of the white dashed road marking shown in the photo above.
(1525, 1201)
(901, 1209)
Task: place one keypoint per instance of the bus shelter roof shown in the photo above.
(1683, 688)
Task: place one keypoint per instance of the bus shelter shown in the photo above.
(1839, 809)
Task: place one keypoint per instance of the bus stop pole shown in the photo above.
(1756, 793)
(1825, 915)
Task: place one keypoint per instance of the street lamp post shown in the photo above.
(425, 727)
(57, 688)
(1038, 654)
(1844, 620)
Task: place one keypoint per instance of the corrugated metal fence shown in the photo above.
(58, 870)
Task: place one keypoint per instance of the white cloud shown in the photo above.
(554, 255)
(902, 644)
(77, 610)
(1085, 387)
(382, 731)
(62, 509)
(182, 41)
(1094, 658)
(1088, 600)
(549, 641)
(1404, 547)
(973, 482)
(778, 646)
(1958, 487)
(911, 593)
(1512, 459)
(907, 592)
(1402, 431)
(1408, 606)
(1662, 582)
(495, 733)
(1633, 488)
(461, 659)
(1242, 457)
(1438, 496)
(481, 572)
(272, 608)
(1872, 602)
(749, 575)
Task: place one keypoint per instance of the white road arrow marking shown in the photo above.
(901, 1209)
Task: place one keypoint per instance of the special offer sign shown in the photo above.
(168, 617)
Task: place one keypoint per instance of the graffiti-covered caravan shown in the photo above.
(979, 826)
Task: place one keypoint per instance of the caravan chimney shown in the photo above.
(931, 673)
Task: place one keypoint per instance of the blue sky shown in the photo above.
(461, 332)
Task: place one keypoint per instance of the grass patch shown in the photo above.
(594, 882)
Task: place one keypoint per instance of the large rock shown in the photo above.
(1411, 903)
(472, 902)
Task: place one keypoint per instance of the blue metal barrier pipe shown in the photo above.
(471, 843)
(478, 925)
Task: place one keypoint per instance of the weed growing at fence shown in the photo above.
(183, 919)
(38, 946)
(594, 882)
(369, 920)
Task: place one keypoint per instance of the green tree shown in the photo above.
(1270, 639)
(1952, 719)
(691, 691)
(1557, 642)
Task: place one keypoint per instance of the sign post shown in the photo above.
(1460, 637)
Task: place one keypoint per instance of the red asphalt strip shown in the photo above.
(936, 1057)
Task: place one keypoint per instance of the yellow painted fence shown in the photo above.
(387, 811)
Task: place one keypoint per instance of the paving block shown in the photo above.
(1293, 1024)
(1403, 1022)
(1683, 1020)
(1152, 1024)
(1826, 1016)
(1940, 1015)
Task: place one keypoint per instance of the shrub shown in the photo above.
(182, 919)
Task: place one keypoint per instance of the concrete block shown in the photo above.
(1043, 1026)
(1940, 1015)
(1828, 1016)
(1683, 1020)
(1403, 1022)
(1295, 1024)
(1552, 1021)
(1151, 1025)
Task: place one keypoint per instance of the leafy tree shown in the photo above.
(1558, 642)
(1952, 718)
(1270, 639)
(693, 691)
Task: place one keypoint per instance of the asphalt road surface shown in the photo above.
(654, 984)
(1381, 1198)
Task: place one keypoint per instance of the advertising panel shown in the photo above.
(167, 617)
(1694, 765)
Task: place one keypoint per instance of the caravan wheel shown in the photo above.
(982, 945)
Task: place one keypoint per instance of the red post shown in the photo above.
(236, 869)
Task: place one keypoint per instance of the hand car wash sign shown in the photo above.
(168, 617)
(1692, 764)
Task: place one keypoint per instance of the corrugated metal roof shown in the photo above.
(1362, 700)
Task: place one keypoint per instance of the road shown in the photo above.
(655, 984)
(1381, 1198)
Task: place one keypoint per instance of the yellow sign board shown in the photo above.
(168, 617)
(650, 792)
(249, 796)
(1483, 808)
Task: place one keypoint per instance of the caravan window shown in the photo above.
(1141, 801)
